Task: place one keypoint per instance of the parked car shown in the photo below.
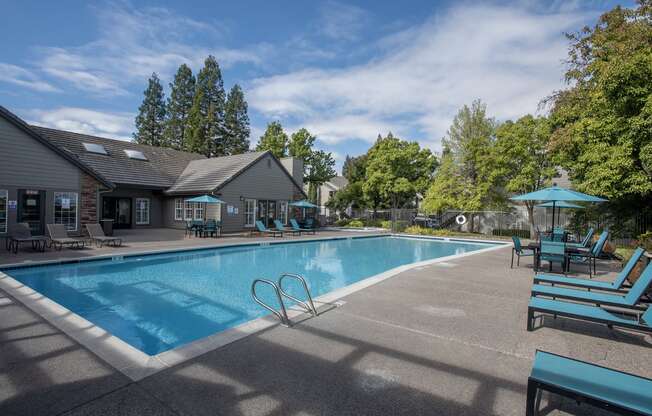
(427, 221)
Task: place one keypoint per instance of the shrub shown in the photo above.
(415, 229)
(343, 222)
(645, 240)
(508, 232)
(356, 223)
(386, 224)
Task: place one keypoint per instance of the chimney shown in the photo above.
(295, 167)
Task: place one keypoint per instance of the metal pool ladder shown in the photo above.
(282, 315)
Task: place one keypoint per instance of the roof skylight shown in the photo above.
(135, 154)
(95, 148)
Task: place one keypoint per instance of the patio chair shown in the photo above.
(310, 223)
(519, 250)
(190, 229)
(552, 252)
(613, 390)
(589, 313)
(96, 234)
(296, 227)
(264, 230)
(59, 237)
(629, 300)
(279, 226)
(586, 241)
(589, 257)
(210, 229)
(23, 235)
(615, 285)
(558, 234)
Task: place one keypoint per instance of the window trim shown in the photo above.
(149, 211)
(179, 205)
(4, 227)
(253, 212)
(54, 208)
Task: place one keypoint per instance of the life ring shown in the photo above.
(460, 219)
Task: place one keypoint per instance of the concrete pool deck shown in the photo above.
(445, 339)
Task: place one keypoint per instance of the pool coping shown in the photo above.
(137, 365)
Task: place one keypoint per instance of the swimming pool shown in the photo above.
(161, 301)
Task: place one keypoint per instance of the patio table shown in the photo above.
(569, 250)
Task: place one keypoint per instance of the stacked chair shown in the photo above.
(623, 302)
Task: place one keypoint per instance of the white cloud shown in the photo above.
(80, 120)
(341, 21)
(133, 43)
(510, 57)
(24, 78)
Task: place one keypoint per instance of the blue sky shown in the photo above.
(345, 70)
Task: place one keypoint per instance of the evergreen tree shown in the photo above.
(179, 103)
(151, 115)
(196, 132)
(209, 82)
(300, 147)
(236, 123)
(274, 140)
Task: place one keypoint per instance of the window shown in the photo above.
(142, 211)
(3, 211)
(95, 148)
(65, 209)
(283, 211)
(250, 212)
(135, 154)
(178, 209)
(193, 211)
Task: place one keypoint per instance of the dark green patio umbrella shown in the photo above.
(554, 194)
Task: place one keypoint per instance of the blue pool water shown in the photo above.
(158, 302)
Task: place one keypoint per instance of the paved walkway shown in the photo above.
(447, 339)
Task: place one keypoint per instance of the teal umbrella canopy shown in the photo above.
(303, 204)
(555, 193)
(560, 204)
(207, 199)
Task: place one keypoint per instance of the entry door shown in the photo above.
(31, 209)
(118, 210)
(262, 212)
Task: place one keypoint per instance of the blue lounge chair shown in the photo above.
(591, 255)
(296, 227)
(552, 252)
(279, 226)
(519, 250)
(628, 300)
(586, 241)
(588, 313)
(598, 386)
(264, 230)
(616, 285)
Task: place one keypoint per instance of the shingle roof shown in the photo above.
(339, 181)
(160, 171)
(209, 174)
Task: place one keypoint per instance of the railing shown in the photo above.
(281, 314)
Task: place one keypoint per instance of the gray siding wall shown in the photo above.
(156, 202)
(264, 180)
(25, 163)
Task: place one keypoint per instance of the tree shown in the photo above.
(182, 92)
(396, 171)
(319, 169)
(446, 188)
(236, 123)
(151, 115)
(469, 141)
(274, 139)
(212, 103)
(603, 122)
(300, 145)
(523, 161)
(354, 168)
(196, 132)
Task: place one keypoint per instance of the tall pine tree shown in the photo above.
(211, 86)
(151, 115)
(182, 92)
(196, 133)
(236, 123)
(274, 140)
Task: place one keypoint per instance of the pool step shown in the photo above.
(282, 315)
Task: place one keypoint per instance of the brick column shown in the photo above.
(88, 207)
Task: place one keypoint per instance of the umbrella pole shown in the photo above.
(553, 217)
